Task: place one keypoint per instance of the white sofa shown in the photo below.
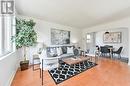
(50, 62)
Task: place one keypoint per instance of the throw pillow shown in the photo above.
(53, 52)
(70, 50)
(64, 49)
(59, 51)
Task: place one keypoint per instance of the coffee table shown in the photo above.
(73, 60)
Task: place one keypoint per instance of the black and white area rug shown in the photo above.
(66, 71)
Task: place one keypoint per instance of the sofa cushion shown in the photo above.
(52, 52)
(70, 50)
(66, 55)
(64, 49)
(59, 51)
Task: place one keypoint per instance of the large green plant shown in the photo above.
(25, 34)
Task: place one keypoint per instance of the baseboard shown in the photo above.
(11, 78)
(123, 59)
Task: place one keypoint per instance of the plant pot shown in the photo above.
(24, 65)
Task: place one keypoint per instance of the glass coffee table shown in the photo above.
(73, 60)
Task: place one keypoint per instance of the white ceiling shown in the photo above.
(75, 13)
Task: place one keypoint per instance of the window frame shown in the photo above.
(88, 40)
(10, 29)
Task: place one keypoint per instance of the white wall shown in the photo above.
(8, 67)
(43, 29)
(129, 45)
(124, 41)
(112, 25)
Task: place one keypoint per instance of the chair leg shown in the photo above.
(114, 55)
(33, 65)
(40, 72)
(120, 56)
(96, 59)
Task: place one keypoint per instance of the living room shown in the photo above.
(65, 24)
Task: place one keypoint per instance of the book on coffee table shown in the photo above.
(74, 60)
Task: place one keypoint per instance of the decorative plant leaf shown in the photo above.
(25, 34)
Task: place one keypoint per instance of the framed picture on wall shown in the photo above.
(60, 37)
(112, 37)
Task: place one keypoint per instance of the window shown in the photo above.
(88, 38)
(6, 32)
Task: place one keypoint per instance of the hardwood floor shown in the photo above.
(106, 73)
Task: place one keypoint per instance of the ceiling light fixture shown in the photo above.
(106, 32)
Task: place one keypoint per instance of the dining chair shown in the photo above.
(118, 52)
(104, 51)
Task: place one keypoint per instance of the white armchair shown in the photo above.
(48, 62)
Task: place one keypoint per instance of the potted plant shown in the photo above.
(25, 37)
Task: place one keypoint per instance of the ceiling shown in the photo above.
(75, 13)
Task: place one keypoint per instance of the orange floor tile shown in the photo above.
(107, 73)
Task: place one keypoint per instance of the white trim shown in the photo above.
(9, 81)
(7, 32)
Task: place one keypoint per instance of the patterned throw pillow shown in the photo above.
(59, 51)
(53, 52)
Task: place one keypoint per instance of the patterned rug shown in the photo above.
(66, 71)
